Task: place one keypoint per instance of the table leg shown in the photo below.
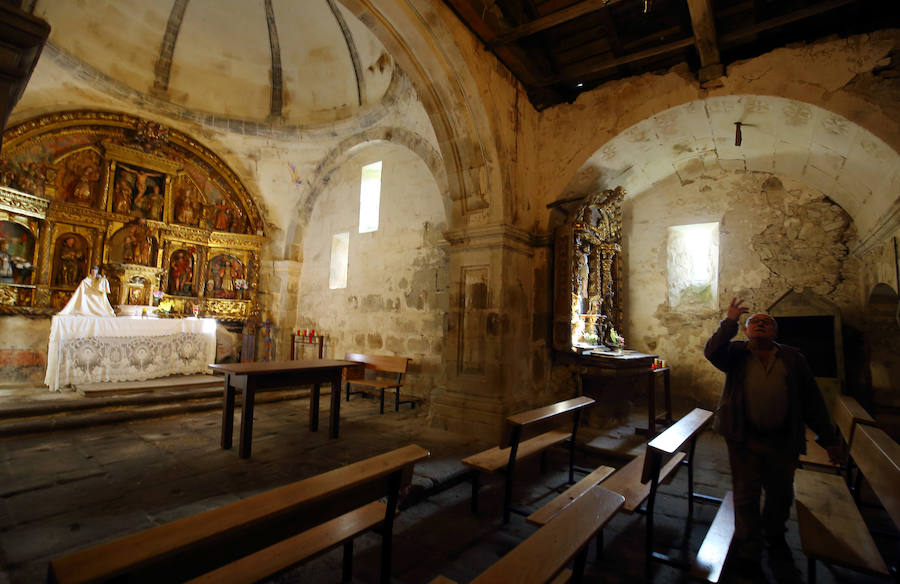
(227, 414)
(247, 420)
(651, 405)
(335, 413)
(668, 396)
(314, 409)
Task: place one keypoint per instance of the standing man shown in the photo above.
(769, 395)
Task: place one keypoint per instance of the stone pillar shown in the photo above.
(487, 355)
(283, 284)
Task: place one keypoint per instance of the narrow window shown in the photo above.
(693, 265)
(340, 259)
(369, 197)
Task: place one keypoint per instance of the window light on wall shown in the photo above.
(693, 265)
(340, 260)
(369, 197)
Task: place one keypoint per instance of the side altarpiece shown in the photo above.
(162, 215)
(588, 272)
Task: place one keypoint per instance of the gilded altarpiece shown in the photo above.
(588, 272)
(163, 216)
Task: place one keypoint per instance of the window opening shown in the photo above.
(369, 197)
(693, 265)
(340, 260)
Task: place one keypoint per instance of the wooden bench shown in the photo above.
(710, 558)
(542, 557)
(524, 435)
(831, 527)
(260, 536)
(847, 413)
(378, 364)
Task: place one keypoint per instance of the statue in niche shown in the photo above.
(225, 277)
(589, 276)
(181, 271)
(222, 215)
(71, 260)
(187, 207)
(82, 189)
(138, 244)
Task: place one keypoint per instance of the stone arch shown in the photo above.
(414, 34)
(813, 145)
(334, 159)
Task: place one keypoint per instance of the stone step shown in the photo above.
(171, 383)
(38, 418)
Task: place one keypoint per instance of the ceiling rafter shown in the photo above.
(558, 48)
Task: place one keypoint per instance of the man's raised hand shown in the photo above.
(736, 309)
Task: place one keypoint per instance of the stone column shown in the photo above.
(487, 354)
(283, 285)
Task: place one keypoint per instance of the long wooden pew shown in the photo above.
(543, 556)
(524, 435)
(832, 530)
(315, 514)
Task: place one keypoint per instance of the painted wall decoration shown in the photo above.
(147, 203)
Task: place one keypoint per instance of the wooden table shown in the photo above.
(253, 377)
(629, 367)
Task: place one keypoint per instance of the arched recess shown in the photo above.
(335, 158)
(822, 149)
(884, 345)
(414, 34)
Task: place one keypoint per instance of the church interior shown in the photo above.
(527, 201)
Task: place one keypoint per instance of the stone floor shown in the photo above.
(67, 490)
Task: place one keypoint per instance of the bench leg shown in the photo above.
(811, 570)
(600, 544)
(348, 391)
(381, 409)
(510, 470)
(347, 565)
(397, 400)
(476, 485)
(578, 566)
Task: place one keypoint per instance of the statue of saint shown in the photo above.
(90, 298)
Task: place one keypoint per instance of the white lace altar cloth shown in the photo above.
(87, 349)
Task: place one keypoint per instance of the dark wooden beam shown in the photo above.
(584, 71)
(704, 26)
(734, 36)
(550, 20)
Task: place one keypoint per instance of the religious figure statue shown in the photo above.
(122, 197)
(6, 273)
(180, 273)
(81, 189)
(138, 244)
(222, 216)
(71, 257)
(90, 298)
(186, 208)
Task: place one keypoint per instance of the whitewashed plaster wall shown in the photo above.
(776, 234)
(395, 302)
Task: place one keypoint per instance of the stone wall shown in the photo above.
(776, 235)
(23, 351)
(395, 302)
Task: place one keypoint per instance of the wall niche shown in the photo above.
(162, 215)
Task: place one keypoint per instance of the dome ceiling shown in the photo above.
(282, 61)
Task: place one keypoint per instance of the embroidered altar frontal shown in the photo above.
(94, 349)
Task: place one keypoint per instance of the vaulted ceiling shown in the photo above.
(560, 48)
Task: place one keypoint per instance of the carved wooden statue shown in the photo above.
(589, 271)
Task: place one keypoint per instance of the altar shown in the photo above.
(87, 349)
